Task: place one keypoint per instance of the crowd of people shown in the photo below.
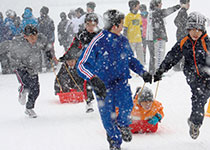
(99, 58)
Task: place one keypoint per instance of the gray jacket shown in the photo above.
(24, 55)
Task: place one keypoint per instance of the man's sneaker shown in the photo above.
(30, 113)
(126, 134)
(89, 107)
(194, 129)
(112, 145)
(22, 96)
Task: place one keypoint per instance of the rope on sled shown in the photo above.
(56, 75)
(72, 77)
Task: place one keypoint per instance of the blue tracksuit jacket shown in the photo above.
(110, 57)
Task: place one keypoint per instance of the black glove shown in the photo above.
(49, 55)
(158, 75)
(177, 6)
(147, 77)
(99, 87)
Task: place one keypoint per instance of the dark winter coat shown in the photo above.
(195, 61)
(180, 22)
(65, 80)
(3, 31)
(157, 22)
(46, 27)
(81, 40)
(62, 35)
(24, 55)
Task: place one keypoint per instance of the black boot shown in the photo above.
(194, 129)
(126, 134)
(112, 145)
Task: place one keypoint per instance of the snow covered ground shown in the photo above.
(68, 127)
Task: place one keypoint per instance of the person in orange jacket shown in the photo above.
(146, 112)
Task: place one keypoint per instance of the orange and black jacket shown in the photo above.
(139, 113)
(195, 53)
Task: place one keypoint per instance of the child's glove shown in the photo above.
(99, 87)
(155, 119)
(158, 75)
(147, 77)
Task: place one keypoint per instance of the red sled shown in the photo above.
(71, 97)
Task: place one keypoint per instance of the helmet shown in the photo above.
(184, 1)
(91, 17)
(133, 3)
(112, 17)
(91, 5)
(63, 15)
(30, 30)
(44, 10)
(146, 95)
(196, 20)
(154, 4)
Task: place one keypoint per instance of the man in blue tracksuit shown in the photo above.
(106, 63)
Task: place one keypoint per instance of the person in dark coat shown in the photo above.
(180, 22)
(46, 26)
(83, 38)
(62, 34)
(156, 32)
(66, 79)
(195, 48)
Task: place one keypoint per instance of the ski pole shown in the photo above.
(56, 75)
(157, 89)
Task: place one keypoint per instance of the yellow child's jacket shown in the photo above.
(133, 22)
(139, 113)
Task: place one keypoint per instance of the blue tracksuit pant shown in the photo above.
(118, 95)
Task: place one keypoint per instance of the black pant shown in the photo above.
(200, 94)
(30, 83)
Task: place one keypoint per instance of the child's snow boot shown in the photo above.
(112, 144)
(31, 113)
(126, 134)
(89, 107)
(194, 129)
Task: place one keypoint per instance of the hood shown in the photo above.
(27, 14)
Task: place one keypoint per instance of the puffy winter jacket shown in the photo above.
(156, 25)
(46, 27)
(180, 22)
(139, 113)
(22, 54)
(195, 53)
(28, 18)
(110, 57)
